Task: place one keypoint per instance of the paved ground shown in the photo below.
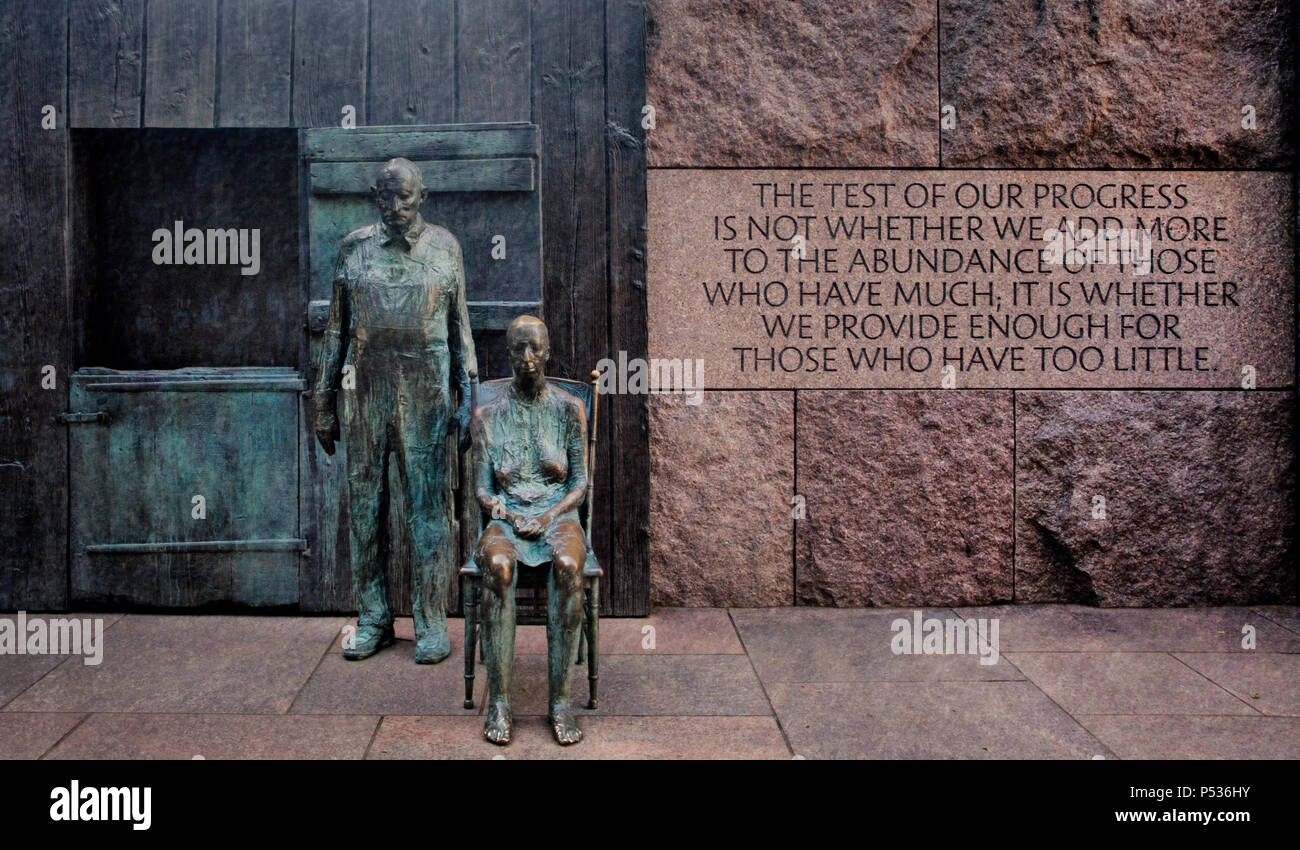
(1071, 682)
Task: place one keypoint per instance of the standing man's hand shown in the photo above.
(327, 426)
(461, 418)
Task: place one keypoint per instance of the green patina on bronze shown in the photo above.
(184, 487)
(397, 355)
(530, 453)
(471, 172)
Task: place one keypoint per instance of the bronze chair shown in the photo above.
(530, 608)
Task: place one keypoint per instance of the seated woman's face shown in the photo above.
(529, 349)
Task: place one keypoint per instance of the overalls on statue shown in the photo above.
(399, 309)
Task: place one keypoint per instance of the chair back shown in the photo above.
(491, 390)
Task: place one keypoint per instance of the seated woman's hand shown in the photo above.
(529, 528)
(536, 527)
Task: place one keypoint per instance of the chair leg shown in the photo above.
(470, 599)
(591, 631)
(582, 635)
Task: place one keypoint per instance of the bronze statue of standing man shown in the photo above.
(398, 354)
(530, 455)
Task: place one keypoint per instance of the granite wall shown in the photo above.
(878, 497)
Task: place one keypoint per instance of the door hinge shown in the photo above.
(99, 417)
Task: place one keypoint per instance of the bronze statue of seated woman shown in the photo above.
(531, 477)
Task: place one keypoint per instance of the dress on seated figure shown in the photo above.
(530, 476)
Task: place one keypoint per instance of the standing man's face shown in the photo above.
(398, 199)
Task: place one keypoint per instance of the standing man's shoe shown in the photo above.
(367, 641)
(433, 645)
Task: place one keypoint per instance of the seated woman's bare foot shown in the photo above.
(564, 724)
(499, 724)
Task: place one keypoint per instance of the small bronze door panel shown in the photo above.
(185, 487)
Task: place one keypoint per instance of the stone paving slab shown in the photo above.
(1287, 616)
(389, 682)
(603, 738)
(217, 736)
(19, 672)
(1184, 737)
(27, 736)
(1169, 683)
(676, 631)
(649, 685)
(195, 664)
(931, 720)
(1125, 683)
(1269, 682)
(853, 645)
(1079, 628)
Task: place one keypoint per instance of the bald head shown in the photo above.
(529, 347)
(402, 170)
(398, 193)
(527, 326)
